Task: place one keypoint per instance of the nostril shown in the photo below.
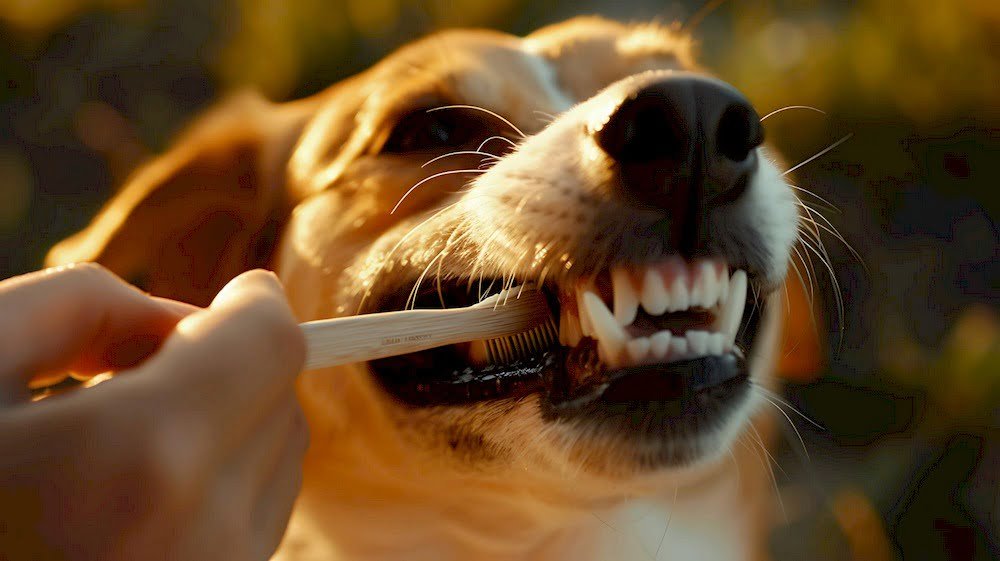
(644, 128)
(739, 132)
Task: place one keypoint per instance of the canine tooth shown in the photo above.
(626, 300)
(732, 313)
(660, 344)
(680, 299)
(638, 349)
(610, 336)
(655, 299)
(678, 348)
(697, 342)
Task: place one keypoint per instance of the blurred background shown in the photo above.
(905, 385)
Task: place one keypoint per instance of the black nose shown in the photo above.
(684, 144)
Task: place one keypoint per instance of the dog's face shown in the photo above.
(591, 161)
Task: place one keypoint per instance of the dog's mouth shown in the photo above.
(664, 332)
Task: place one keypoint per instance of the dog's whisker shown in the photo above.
(810, 268)
(795, 268)
(385, 258)
(483, 144)
(544, 116)
(763, 446)
(819, 154)
(802, 442)
(832, 230)
(486, 155)
(838, 296)
(759, 444)
(484, 110)
(736, 464)
(670, 516)
(830, 206)
(753, 447)
(794, 409)
(789, 107)
(426, 179)
(602, 521)
(411, 302)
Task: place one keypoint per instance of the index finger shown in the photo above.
(234, 359)
(79, 317)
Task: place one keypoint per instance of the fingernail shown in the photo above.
(255, 279)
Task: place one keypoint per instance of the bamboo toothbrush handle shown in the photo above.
(371, 336)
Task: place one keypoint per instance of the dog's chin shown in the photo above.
(646, 416)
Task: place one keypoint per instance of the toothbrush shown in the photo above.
(510, 325)
(502, 329)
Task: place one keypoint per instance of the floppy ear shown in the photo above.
(207, 210)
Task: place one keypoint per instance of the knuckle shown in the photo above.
(277, 337)
(87, 271)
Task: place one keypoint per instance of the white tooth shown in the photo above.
(638, 349)
(709, 285)
(716, 344)
(723, 286)
(626, 301)
(586, 327)
(659, 344)
(680, 299)
(678, 348)
(655, 299)
(697, 289)
(697, 342)
(610, 336)
(732, 313)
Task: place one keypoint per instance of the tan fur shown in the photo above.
(381, 481)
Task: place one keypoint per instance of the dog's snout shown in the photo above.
(681, 137)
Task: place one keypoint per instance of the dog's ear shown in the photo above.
(207, 210)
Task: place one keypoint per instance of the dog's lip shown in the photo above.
(584, 379)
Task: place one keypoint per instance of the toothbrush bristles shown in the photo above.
(507, 350)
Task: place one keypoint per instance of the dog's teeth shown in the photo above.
(707, 279)
(723, 287)
(626, 300)
(679, 297)
(655, 299)
(638, 349)
(660, 344)
(610, 336)
(697, 343)
(716, 343)
(729, 320)
(678, 348)
(586, 327)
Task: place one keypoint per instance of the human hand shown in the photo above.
(193, 451)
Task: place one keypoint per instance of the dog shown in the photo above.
(592, 160)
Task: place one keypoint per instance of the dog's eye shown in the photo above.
(425, 130)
